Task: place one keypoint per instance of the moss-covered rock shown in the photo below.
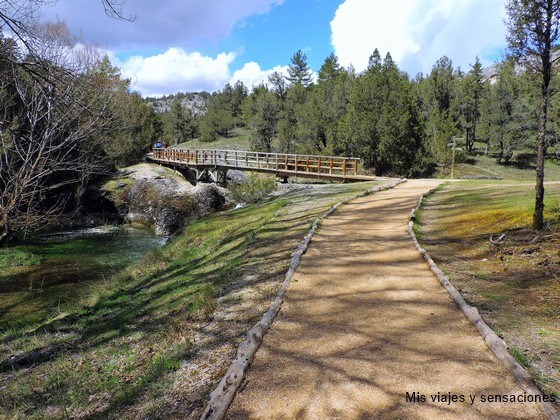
(161, 198)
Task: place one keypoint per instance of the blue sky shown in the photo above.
(190, 45)
(271, 39)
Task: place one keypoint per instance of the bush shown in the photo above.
(253, 188)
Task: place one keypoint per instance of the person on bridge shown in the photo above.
(158, 145)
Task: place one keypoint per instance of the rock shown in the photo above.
(210, 198)
(162, 198)
(234, 175)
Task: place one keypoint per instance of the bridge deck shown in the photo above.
(283, 165)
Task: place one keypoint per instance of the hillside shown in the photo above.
(195, 101)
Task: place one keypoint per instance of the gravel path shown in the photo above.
(364, 322)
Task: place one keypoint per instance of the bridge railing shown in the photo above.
(271, 162)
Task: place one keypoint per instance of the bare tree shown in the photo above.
(533, 29)
(47, 136)
(19, 19)
(53, 108)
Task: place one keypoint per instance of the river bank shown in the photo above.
(52, 272)
(155, 196)
(119, 221)
(156, 340)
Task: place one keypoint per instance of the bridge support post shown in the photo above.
(217, 176)
(221, 177)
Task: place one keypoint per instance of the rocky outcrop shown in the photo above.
(161, 198)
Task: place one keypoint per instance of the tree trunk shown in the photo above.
(4, 234)
(469, 140)
(538, 215)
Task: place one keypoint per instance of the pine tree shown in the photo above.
(330, 69)
(533, 29)
(182, 123)
(299, 72)
(324, 108)
(278, 83)
(439, 108)
(263, 124)
(382, 125)
(469, 96)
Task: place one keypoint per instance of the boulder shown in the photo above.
(162, 198)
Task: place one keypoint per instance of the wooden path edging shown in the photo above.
(223, 395)
(492, 340)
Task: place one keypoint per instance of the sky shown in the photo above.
(193, 45)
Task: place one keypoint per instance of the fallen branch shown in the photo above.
(497, 241)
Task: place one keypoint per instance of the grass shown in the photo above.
(19, 256)
(514, 283)
(479, 166)
(153, 341)
(520, 357)
(238, 140)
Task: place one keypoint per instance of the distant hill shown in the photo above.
(196, 101)
(491, 72)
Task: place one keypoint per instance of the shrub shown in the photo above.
(253, 188)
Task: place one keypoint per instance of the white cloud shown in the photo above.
(156, 24)
(251, 74)
(176, 70)
(418, 32)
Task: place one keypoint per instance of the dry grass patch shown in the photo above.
(515, 281)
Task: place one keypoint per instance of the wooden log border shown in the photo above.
(223, 395)
(492, 340)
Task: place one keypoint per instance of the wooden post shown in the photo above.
(453, 160)
(307, 164)
(356, 167)
(319, 166)
(330, 169)
(258, 164)
(296, 164)
(344, 167)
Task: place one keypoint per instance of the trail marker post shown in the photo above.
(454, 147)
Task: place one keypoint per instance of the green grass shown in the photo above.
(521, 357)
(521, 168)
(240, 139)
(17, 257)
(176, 315)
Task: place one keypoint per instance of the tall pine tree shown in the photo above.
(533, 29)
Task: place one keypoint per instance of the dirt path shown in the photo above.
(364, 322)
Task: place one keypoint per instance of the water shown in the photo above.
(72, 263)
(81, 255)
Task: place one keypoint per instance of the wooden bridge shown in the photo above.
(212, 165)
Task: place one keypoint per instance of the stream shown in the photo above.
(71, 262)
